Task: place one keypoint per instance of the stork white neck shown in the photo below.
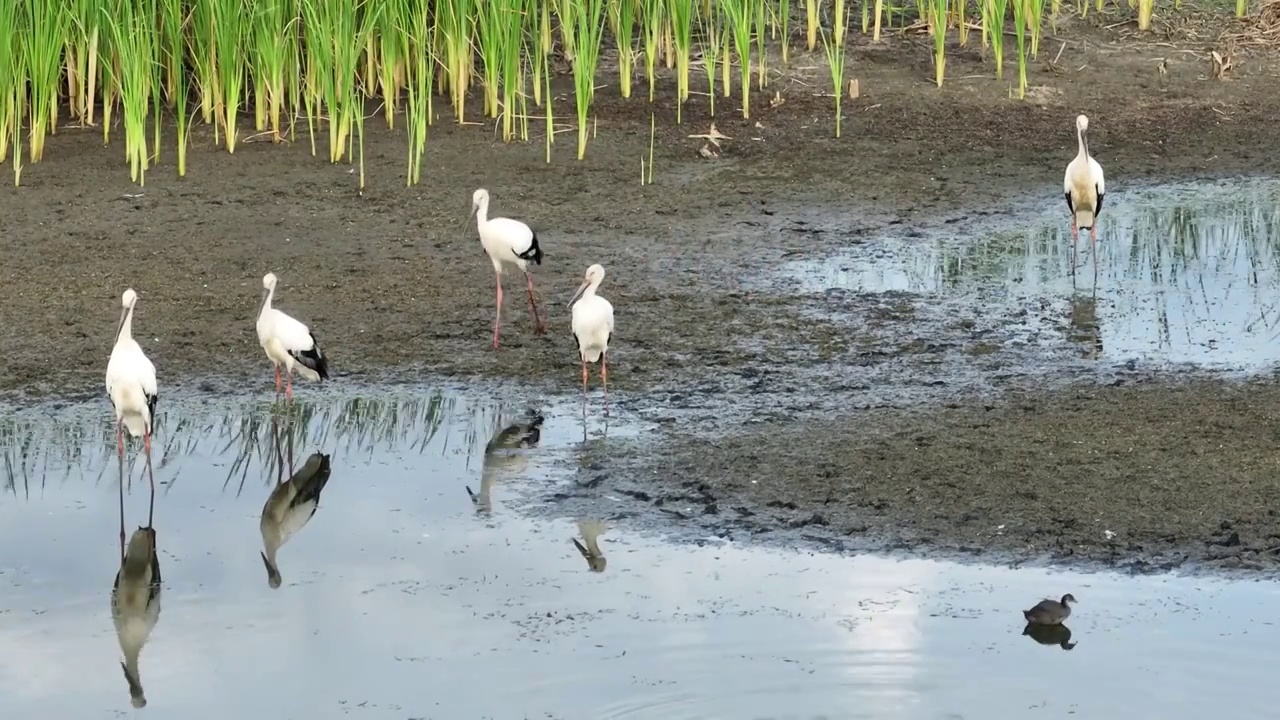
(125, 332)
(266, 301)
(591, 289)
(1083, 142)
(482, 212)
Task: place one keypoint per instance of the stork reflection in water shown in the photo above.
(502, 455)
(589, 548)
(135, 594)
(292, 503)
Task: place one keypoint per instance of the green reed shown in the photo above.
(622, 22)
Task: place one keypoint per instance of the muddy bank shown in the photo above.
(1148, 477)
(394, 284)
(392, 279)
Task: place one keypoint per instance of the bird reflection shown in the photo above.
(291, 505)
(590, 547)
(1084, 324)
(501, 456)
(1059, 635)
(135, 594)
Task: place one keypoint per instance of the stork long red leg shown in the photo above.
(533, 306)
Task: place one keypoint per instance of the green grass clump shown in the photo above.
(145, 64)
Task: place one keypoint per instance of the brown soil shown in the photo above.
(394, 282)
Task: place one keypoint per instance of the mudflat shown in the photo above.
(1153, 470)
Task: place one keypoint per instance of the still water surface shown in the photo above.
(1184, 273)
(401, 600)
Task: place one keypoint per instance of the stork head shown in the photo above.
(479, 199)
(1082, 123)
(269, 281)
(590, 279)
(128, 299)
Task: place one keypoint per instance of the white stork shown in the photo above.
(288, 342)
(507, 242)
(135, 605)
(289, 508)
(1084, 186)
(592, 326)
(131, 381)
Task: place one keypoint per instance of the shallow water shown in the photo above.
(1186, 273)
(401, 600)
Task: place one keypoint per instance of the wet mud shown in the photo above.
(782, 414)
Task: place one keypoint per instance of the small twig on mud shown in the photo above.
(1055, 57)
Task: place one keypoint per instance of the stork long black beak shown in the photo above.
(581, 289)
(124, 313)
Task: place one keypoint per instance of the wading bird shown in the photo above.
(135, 604)
(592, 326)
(131, 380)
(1085, 187)
(1050, 612)
(289, 508)
(507, 242)
(288, 342)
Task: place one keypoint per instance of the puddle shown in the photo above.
(401, 599)
(1185, 274)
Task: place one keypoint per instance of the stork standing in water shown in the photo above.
(1084, 185)
(592, 325)
(507, 242)
(131, 382)
(288, 342)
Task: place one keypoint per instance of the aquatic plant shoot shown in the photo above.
(171, 63)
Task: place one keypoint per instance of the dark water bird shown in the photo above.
(590, 546)
(135, 605)
(290, 507)
(501, 458)
(1059, 635)
(1050, 612)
